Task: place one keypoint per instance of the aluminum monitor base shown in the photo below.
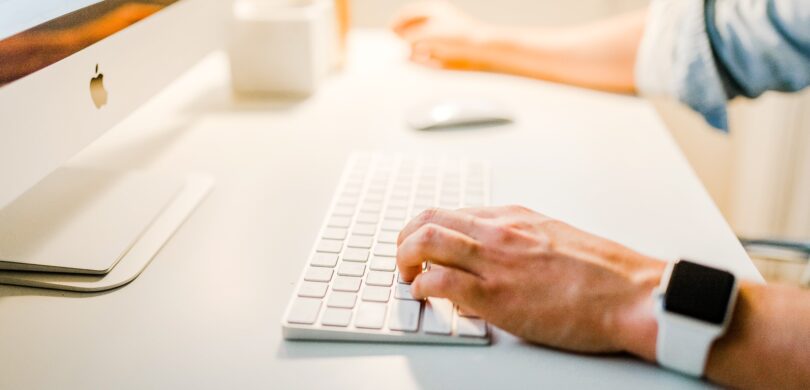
(191, 191)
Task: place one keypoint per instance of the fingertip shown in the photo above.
(416, 289)
(408, 274)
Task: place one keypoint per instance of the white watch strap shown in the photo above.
(683, 344)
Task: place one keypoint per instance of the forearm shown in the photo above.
(599, 55)
(768, 341)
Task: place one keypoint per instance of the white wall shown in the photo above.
(759, 175)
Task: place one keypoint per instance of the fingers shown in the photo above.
(409, 16)
(445, 53)
(461, 222)
(458, 286)
(402, 24)
(440, 245)
(482, 212)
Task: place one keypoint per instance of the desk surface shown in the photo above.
(207, 311)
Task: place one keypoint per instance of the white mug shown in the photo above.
(282, 46)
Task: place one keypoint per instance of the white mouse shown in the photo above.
(458, 113)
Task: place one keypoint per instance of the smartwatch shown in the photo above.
(694, 305)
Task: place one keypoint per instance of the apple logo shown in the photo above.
(97, 91)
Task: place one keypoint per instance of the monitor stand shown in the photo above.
(90, 230)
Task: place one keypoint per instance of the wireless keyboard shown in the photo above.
(350, 289)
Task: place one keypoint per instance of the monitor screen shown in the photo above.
(36, 34)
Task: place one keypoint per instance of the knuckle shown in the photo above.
(426, 234)
(502, 232)
(489, 287)
(517, 209)
(551, 224)
(427, 216)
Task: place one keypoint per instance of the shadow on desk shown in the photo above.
(8, 291)
(220, 98)
(508, 363)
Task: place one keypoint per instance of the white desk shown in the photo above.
(206, 312)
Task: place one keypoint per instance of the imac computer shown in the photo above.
(69, 71)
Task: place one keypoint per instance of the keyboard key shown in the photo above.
(396, 214)
(403, 291)
(330, 246)
(346, 283)
(335, 233)
(351, 191)
(304, 311)
(324, 260)
(388, 264)
(392, 225)
(368, 218)
(449, 206)
(388, 237)
(388, 250)
(312, 289)
(471, 327)
(351, 269)
(376, 294)
(355, 181)
(379, 278)
(365, 229)
(343, 211)
(356, 255)
(370, 315)
(318, 274)
(401, 192)
(400, 280)
(425, 195)
(404, 316)
(349, 201)
(338, 221)
(438, 316)
(464, 313)
(377, 189)
(398, 204)
(372, 197)
(344, 300)
(371, 207)
(336, 317)
(358, 241)
(472, 199)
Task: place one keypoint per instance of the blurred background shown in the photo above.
(759, 174)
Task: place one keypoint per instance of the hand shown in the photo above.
(441, 35)
(536, 277)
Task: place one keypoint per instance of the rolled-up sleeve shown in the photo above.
(706, 52)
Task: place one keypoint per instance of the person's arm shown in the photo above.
(598, 55)
(702, 52)
(552, 284)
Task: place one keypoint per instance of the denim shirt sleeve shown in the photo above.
(705, 52)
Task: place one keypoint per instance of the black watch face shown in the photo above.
(699, 292)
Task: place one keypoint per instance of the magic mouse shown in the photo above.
(458, 113)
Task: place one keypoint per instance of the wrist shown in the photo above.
(638, 327)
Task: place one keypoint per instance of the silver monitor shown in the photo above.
(71, 69)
